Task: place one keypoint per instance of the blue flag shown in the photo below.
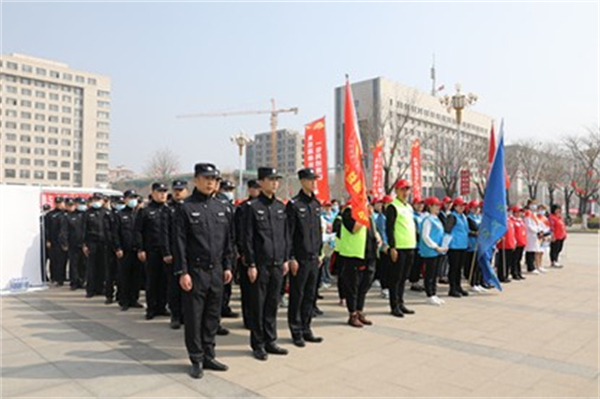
(494, 223)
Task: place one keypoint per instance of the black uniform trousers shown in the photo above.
(431, 271)
(202, 312)
(96, 262)
(244, 291)
(225, 308)
(58, 263)
(264, 302)
(174, 295)
(156, 283)
(356, 281)
(76, 267)
(530, 261)
(129, 279)
(515, 268)
(456, 260)
(398, 274)
(416, 268)
(110, 274)
(382, 268)
(503, 263)
(303, 291)
(476, 277)
(556, 247)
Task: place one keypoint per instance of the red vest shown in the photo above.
(508, 241)
(520, 231)
(557, 225)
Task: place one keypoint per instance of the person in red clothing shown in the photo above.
(521, 238)
(506, 248)
(559, 234)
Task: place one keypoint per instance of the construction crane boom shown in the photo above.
(274, 112)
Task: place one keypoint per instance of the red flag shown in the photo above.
(354, 175)
(415, 169)
(492, 153)
(377, 173)
(315, 156)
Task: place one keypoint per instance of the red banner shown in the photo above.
(315, 156)
(377, 173)
(415, 169)
(354, 175)
(465, 182)
(47, 197)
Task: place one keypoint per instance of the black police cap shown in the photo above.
(226, 185)
(307, 173)
(117, 199)
(159, 187)
(59, 200)
(46, 207)
(179, 184)
(80, 200)
(97, 196)
(268, 172)
(206, 169)
(253, 184)
(129, 193)
(69, 201)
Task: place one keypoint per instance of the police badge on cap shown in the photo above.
(268, 173)
(206, 169)
(307, 173)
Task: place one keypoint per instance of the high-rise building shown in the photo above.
(398, 113)
(290, 156)
(54, 124)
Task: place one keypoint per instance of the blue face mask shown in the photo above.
(132, 203)
(81, 208)
(96, 205)
(119, 207)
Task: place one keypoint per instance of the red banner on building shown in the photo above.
(354, 175)
(465, 182)
(377, 172)
(415, 169)
(315, 156)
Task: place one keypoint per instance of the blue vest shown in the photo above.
(473, 240)
(436, 234)
(419, 218)
(460, 232)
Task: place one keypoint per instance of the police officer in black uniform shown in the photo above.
(266, 254)
(72, 235)
(225, 195)
(117, 203)
(57, 251)
(174, 292)
(129, 268)
(203, 256)
(153, 249)
(96, 234)
(241, 269)
(305, 243)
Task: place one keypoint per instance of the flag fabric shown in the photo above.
(491, 152)
(415, 169)
(494, 221)
(315, 156)
(377, 173)
(354, 175)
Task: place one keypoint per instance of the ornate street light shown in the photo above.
(241, 140)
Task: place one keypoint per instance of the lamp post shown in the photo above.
(457, 103)
(241, 140)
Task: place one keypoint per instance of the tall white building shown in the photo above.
(383, 105)
(54, 124)
(290, 155)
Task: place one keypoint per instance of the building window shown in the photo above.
(26, 115)
(12, 65)
(65, 164)
(25, 150)
(102, 146)
(54, 74)
(101, 156)
(67, 76)
(65, 142)
(65, 176)
(52, 164)
(102, 125)
(40, 106)
(104, 115)
(25, 103)
(102, 136)
(11, 136)
(26, 139)
(52, 175)
(11, 125)
(53, 130)
(54, 96)
(67, 109)
(101, 166)
(65, 153)
(24, 174)
(53, 107)
(25, 126)
(103, 104)
(53, 141)
(39, 151)
(40, 117)
(11, 89)
(39, 83)
(40, 94)
(40, 71)
(66, 120)
(10, 148)
(25, 161)
(65, 131)
(101, 178)
(38, 174)
(103, 93)
(53, 118)
(39, 128)
(11, 101)
(10, 173)
(91, 81)
(38, 162)
(79, 79)
(66, 98)
(10, 161)
(26, 92)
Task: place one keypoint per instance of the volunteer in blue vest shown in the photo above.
(402, 240)
(457, 226)
(357, 251)
(472, 270)
(431, 248)
(416, 270)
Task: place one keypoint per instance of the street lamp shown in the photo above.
(457, 103)
(241, 140)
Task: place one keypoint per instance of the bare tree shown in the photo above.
(553, 173)
(532, 162)
(585, 150)
(447, 160)
(162, 166)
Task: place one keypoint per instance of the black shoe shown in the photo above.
(196, 371)
(163, 312)
(175, 325)
(319, 296)
(299, 342)
(310, 337)
(213, 364)
(521, 277)
(463, 292)
(416, 287)
(443, 280)
(222, 331)
(405, 310)
(318, 311)
(274, 349)
(149, 316)
(487, 286)
(73, 287)
(108, 301)
(260, 354)
(60, 284)
(124, 308)
(397, 313)
(89, 295)
(137, 305)
(455, 294)
(230, 314)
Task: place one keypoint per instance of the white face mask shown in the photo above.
(229, 195)
(119, 207)
(97, 205)
(81, 208)
(533, 207)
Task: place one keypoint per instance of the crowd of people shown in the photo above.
(186, 249)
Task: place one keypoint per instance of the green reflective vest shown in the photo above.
(351, 245)
(405, 234)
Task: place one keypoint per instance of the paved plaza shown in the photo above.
(538, 338)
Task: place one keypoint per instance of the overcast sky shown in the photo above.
(534, 64)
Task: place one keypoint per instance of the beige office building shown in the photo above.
(383, 105)
(290, 155)
(54, 124)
